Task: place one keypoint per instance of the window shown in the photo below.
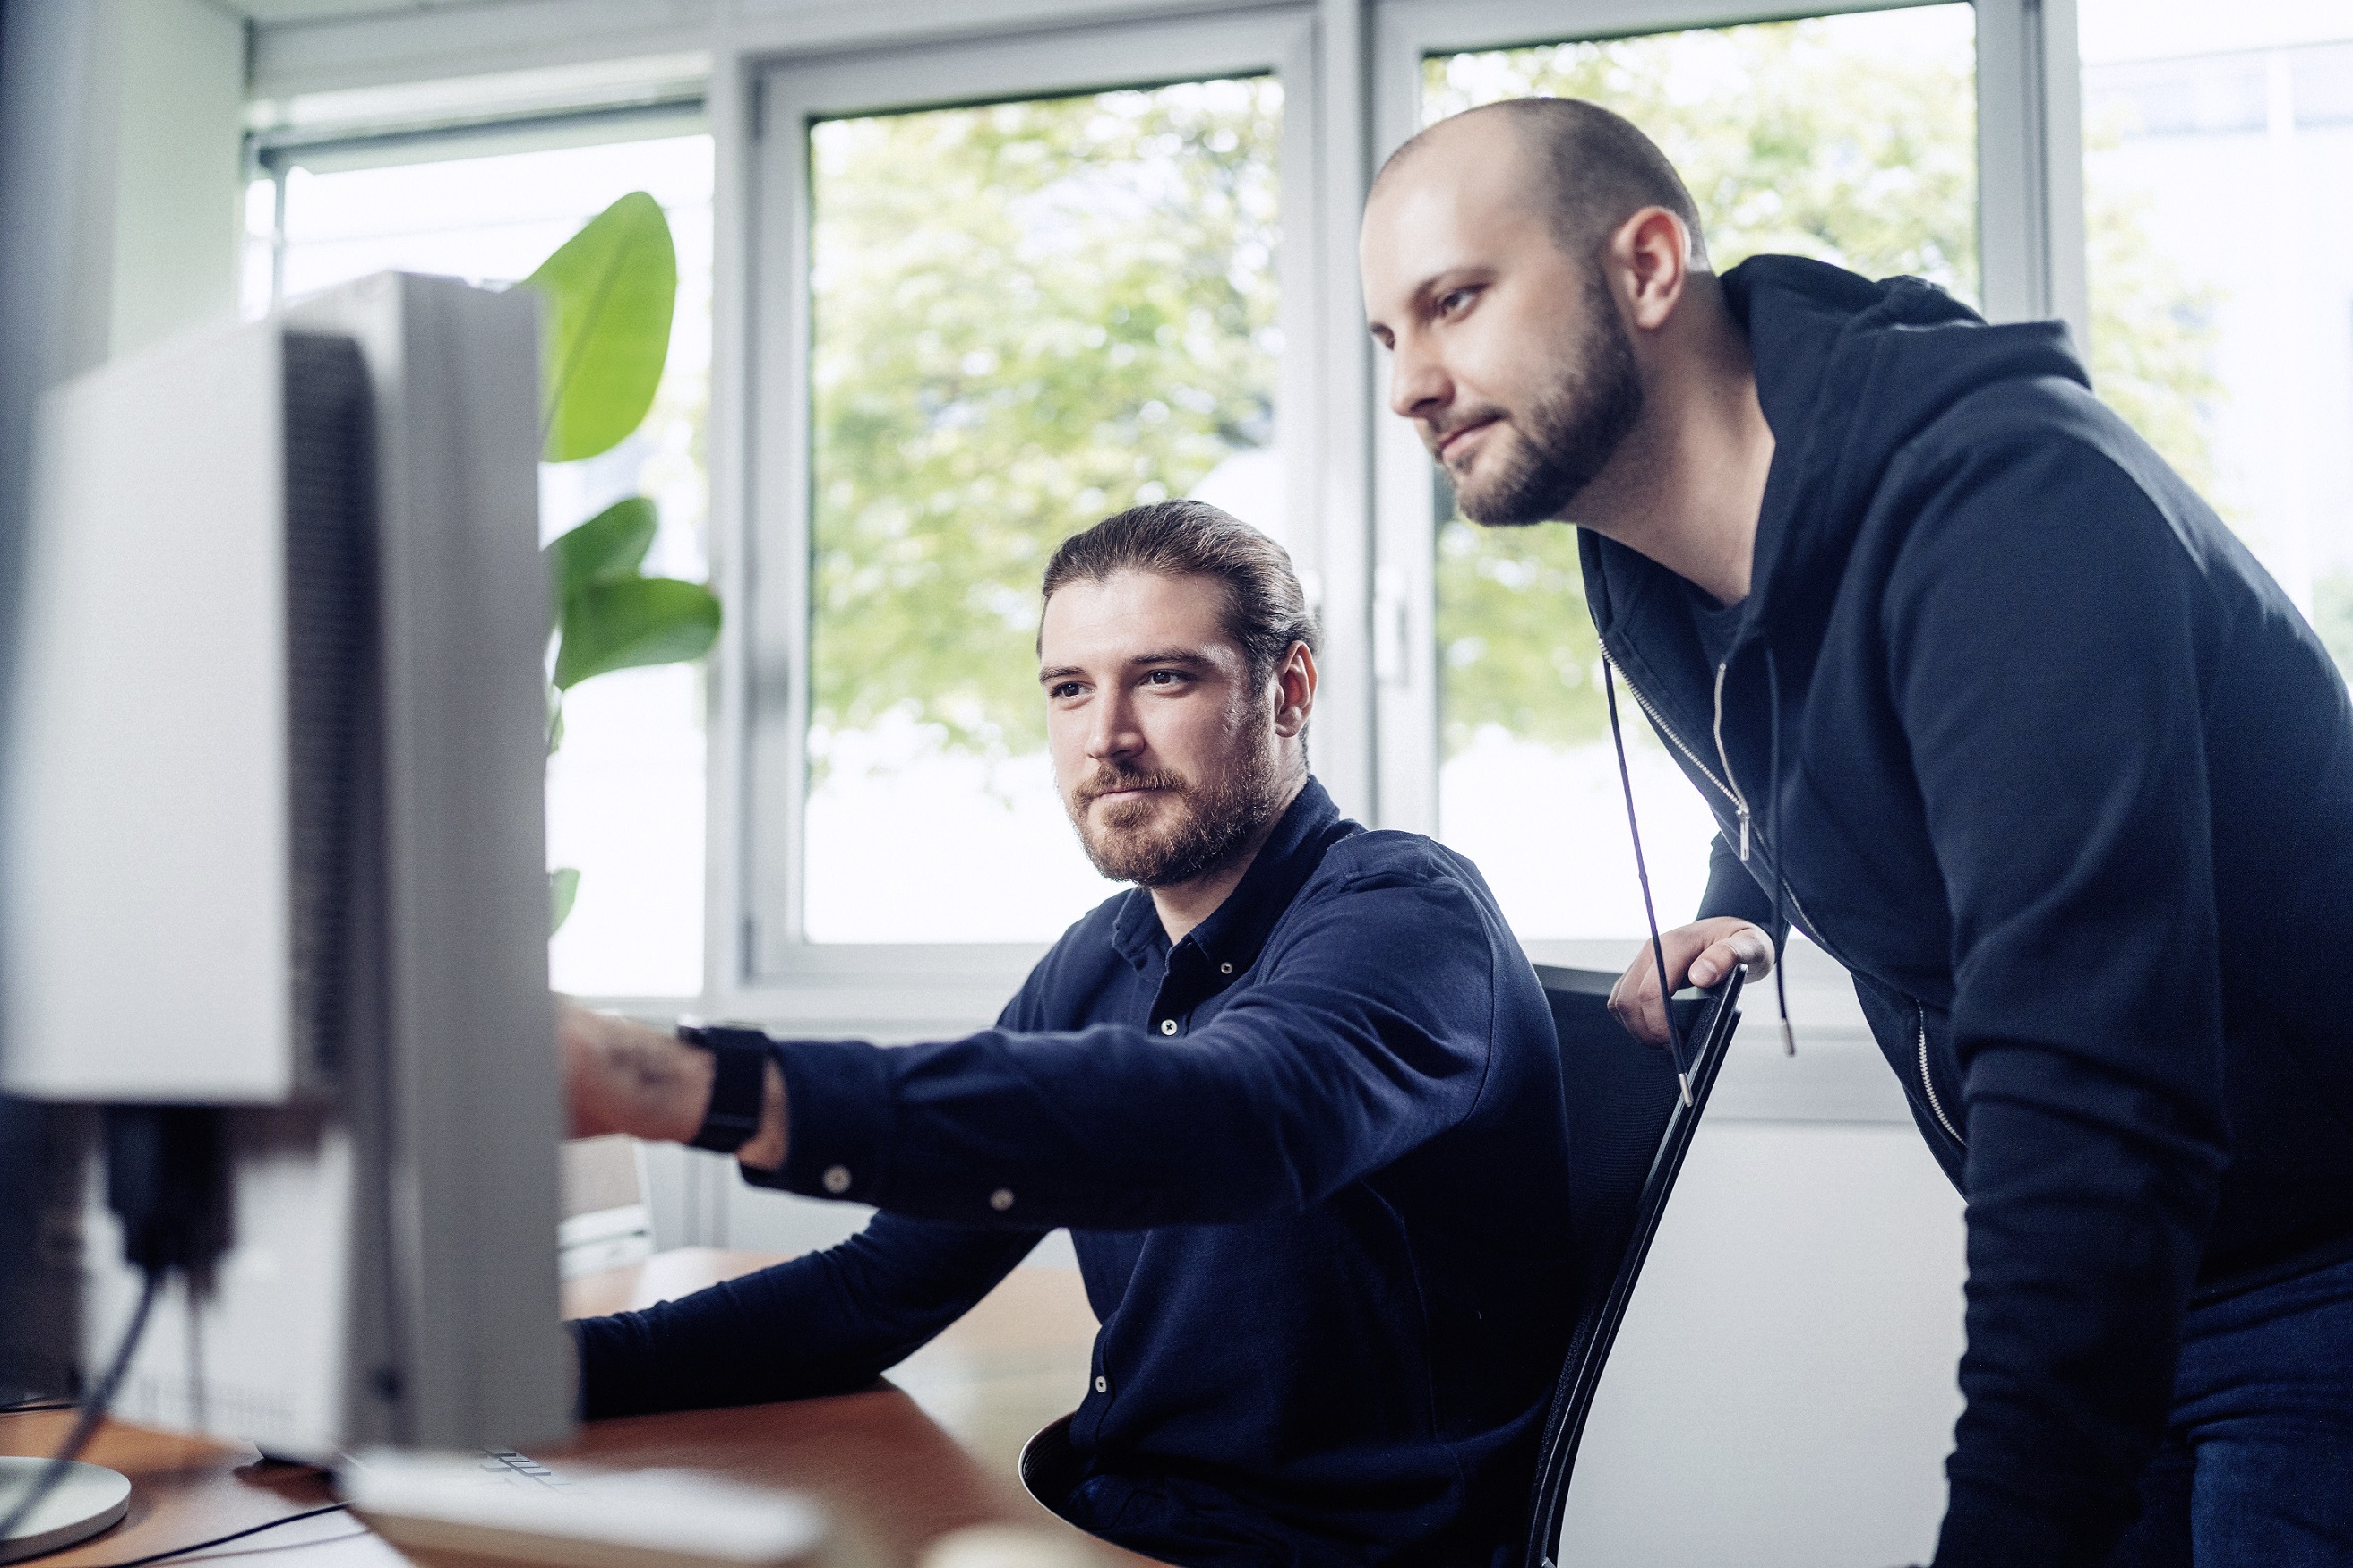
(625, 789)
(2204, 128)
(919, 378)
(1026, 316)
(1002, 293)
(1849, 138)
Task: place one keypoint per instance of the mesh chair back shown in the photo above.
(1629, 1131)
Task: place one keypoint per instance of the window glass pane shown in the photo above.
(625, 792)
(2216, 142)
(1027, 316)
(1850, 139)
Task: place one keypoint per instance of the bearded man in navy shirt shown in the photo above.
(1297, 1095)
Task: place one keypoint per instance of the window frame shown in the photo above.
(2030, 264)
(666, 103)
(770, 969)
(2029, 259)
(1351, 77)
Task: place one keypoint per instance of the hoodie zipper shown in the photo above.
(1724, 786)
(1934, 1104)
(1730, 789)
(1739, 801)
(1668, 730)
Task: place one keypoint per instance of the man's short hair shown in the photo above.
(1598, 167)
(1266, 611)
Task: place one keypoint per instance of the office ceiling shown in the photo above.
(322, 10)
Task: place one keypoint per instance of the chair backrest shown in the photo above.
(1629, 1131)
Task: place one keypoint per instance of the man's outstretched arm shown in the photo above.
(621, 1076)
(1368, 1034)
(823, 1323)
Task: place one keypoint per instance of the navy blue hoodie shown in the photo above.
(2066, 781)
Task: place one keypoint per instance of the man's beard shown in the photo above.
(1567, 435)
(1216, 820)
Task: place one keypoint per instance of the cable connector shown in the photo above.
(167, 1179)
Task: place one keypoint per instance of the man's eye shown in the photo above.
(1164, 678)
(1066, 688)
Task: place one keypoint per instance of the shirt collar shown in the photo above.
(1237, 929)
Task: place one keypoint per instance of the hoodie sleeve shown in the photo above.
(1734, 891)
(2047, 670)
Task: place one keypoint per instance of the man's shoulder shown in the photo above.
(1077, 963)
(1094, 937)
(1380, 859)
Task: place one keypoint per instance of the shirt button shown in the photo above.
(1226, 967)
(1102, 1384)
(1001, 1199)
(836, 1179)
(1168, 1026)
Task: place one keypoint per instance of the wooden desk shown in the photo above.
(899, 1467)
(184, 1490)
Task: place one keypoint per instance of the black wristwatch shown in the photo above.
(737, 1088)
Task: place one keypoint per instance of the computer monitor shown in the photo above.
(274, 844)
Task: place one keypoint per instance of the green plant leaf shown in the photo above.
(563, 887)
(610, 291)
(606, 548)
(636, 621)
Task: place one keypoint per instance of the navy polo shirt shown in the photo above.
(1315, 1161)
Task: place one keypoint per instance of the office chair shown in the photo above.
(1628, 1129)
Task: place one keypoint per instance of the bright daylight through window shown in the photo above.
(1851, 139)
(1027, 316)
(625, 791)
(2206, 128)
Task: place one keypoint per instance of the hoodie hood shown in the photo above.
(1848, 371)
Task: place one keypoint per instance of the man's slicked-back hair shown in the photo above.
(1266, 612)
(1599, 168)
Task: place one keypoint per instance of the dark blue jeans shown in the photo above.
(2257, 1468)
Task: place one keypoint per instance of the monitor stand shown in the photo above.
(86, 1500)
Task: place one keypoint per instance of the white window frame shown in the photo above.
(1361, 484)
(2031, 250)
(770, 970)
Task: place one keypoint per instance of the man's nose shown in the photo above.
(1420, 387)
(1114, 732)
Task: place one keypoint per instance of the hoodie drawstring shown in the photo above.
(1642, 874)
(1773, 832)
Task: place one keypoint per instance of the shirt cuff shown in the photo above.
(838, 1121)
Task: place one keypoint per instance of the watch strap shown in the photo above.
(738, 1085)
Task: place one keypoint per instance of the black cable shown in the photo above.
(1776, 849)
(1642, 874)
(93, 1411)
(233, 1535)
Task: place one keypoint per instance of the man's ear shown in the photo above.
(1650, 258)
(1295, 691)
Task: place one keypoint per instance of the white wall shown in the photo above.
(1783, 1391)
(178, 167)
(161, 157)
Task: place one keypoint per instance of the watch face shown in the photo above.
(737, 1086)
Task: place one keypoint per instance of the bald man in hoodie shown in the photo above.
(1989, 704)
